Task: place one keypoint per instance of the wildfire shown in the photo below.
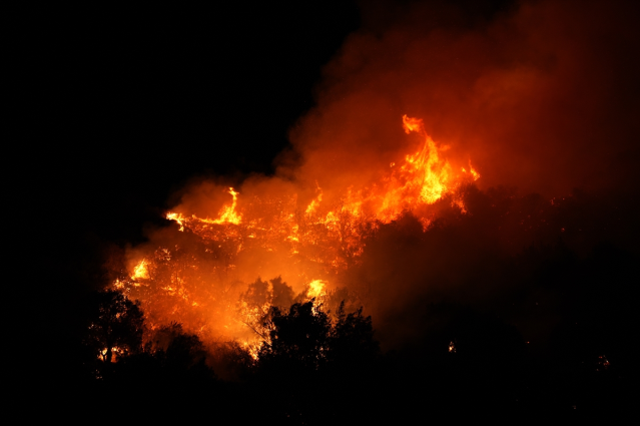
(228, 214)
(140, 271)
(178, 218)
(203, 284)
(115, 353)
(412, 124)
(430, 173)
(472, 172)
(313, 205)
(316, 289)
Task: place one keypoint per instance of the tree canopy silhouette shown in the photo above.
(305, 337)
(299, 338)
(116, 326)
(177, 349)
(351, 339)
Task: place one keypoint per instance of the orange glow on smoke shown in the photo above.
(204, 280)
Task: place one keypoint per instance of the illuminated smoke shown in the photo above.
(532, 99)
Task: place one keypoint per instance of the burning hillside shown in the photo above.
(205, 277)
(315, 214)
(357, 210)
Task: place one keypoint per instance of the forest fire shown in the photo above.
(441, 218)
(437, 215)
(206, 280)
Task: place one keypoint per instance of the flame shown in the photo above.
(309, 244)
(474, 174)
(412, 124)
(228, 214)
(430, 173)
(140, 271)
(115, 354)
(316, 289)
(313, 205)
(177, 217)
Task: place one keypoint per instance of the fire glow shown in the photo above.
(203, 280)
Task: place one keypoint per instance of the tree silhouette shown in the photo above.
(311, 361)
(177, 349)
(351, 339)
(305, 336)
(116, 326)
(299, 338)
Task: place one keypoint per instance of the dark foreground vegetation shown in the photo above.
(329, 369)
(547, 331)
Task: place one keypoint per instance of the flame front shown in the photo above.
(316, 289)
(140, 271)
(202, 282)
(228, 213)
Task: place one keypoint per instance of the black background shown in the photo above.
(125, 105)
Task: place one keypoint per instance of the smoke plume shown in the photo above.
(539, 98)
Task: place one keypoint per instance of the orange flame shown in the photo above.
(308, 244)
(177, 217)
(412, 124)
(228, 214)
(475, 175)
(316, 289)
(431, 174)
(140, 271)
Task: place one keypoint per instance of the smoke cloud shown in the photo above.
(541, 99)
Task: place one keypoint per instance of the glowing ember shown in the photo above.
(115, 353)
(603, 363)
